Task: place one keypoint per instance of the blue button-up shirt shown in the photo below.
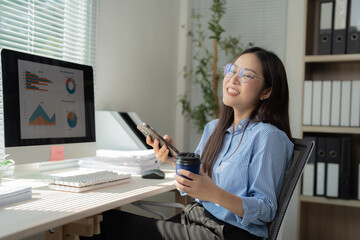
(254, 172)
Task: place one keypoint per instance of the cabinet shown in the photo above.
(321, 217)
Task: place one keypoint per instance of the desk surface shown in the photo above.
(48, 209)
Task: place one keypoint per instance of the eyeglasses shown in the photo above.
(245, 74)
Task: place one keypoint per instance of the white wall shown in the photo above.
(137, 64)
(137, 59)
(295, 48)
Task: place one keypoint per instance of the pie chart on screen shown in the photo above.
(70, 85)
(71, 119)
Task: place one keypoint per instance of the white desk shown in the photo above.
(48, 209)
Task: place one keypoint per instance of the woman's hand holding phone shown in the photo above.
(164, 148)
(161, 153)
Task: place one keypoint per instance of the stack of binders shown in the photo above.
(332, 103)
(328, 171)
(339, 27)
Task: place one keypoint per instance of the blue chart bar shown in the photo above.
(34, 82)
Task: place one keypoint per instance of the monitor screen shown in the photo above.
(46, 102)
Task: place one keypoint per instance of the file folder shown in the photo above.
(358, 181)
(326, 103)
(353, 34)
(320, 166)
(355, 104)
(307, 102)
(308, 179)
(345, 169)
(316, 104)
(345, 103)
(333, 155)
(339, 30)
(325, 28)
(335, 103)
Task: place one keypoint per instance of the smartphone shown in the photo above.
(149, 131)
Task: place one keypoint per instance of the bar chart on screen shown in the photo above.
(34, 82)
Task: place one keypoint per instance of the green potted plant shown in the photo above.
(4, 165)
(206, 71)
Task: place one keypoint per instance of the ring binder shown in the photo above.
(339, 30)
(316, 103)
(345, 169)
(325, 28)
(326, 103)
(345, 103)
(309, 177)
(353, 34)
(333, 155)
(320, 167)
(335, 103)
(307, 102)
(355, 100)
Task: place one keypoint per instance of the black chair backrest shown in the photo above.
(302, 151)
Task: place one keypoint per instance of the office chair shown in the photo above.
(302, 151)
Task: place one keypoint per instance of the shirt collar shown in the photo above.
(240, 126)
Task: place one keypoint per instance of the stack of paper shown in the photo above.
(12, 193)
(133, 162)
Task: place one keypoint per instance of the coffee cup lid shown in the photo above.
(188, 159)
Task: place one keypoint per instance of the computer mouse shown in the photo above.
(153, 174)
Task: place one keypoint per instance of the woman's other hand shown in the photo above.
(199, 186)
(161, 153)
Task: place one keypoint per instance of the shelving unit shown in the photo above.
(332, 58)
(340, 130)
(321, 217)
(339, 202)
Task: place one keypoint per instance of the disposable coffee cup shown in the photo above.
(188, 161)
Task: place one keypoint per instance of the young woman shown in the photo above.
(244, 157)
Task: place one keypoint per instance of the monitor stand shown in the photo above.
(31, 161)
(26, 170)
(36, 170)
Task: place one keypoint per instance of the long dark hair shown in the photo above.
(273, 110)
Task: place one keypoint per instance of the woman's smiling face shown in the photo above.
(243, 97)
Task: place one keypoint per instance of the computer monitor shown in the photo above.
(47, 102)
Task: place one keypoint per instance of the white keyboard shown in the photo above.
(89, 181)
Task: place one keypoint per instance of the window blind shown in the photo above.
(61, 29)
